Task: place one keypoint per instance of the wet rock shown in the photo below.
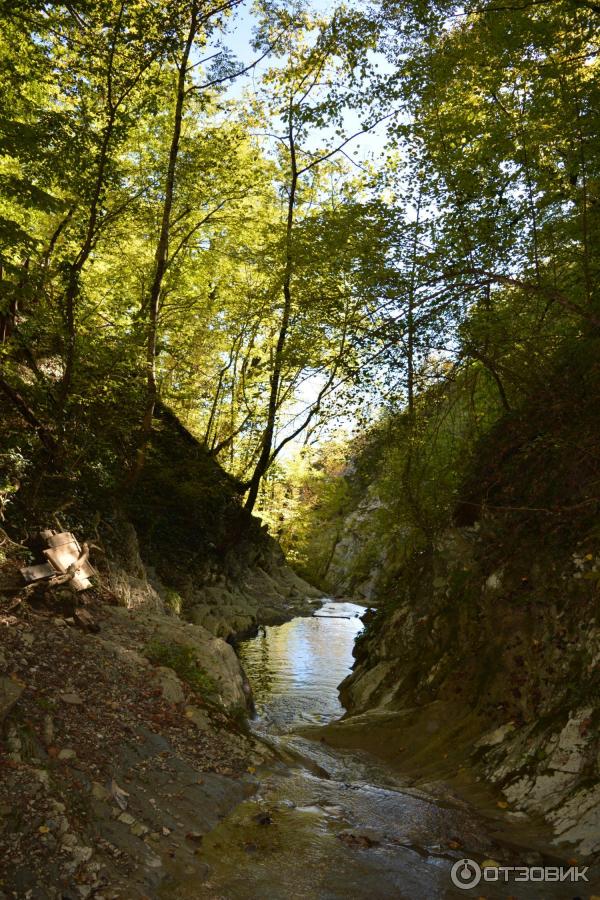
(360, 838)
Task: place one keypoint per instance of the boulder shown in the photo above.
(170, 685)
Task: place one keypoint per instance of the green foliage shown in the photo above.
(183, 659)
(174, 601)
(418, 296)
(394, 490)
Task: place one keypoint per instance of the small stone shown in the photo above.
(28, 638)
(72, 699)
(82, 854)
(68, 840)
(126, 819)
(139, 830)
(67, 754)
(42, 776)
(99, 792)
(194, 836)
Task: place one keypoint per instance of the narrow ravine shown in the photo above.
(326, 823)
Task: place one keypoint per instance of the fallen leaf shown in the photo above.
(43, 829)
(119, 794)
(502, 804)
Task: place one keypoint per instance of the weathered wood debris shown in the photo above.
(67, 561)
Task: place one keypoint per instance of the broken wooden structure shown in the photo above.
(67, 562)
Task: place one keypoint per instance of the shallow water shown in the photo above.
(327, 824)
(295, 668)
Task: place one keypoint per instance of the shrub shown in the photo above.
(183, 659)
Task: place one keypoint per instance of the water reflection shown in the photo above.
(295, 668)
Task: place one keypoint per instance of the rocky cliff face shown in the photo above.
(485, 652)
(354, 568)
(502, 667)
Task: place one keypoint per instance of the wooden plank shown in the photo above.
(57, 540)
(67, 555)
(37, 573)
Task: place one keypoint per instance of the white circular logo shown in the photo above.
(465, 874)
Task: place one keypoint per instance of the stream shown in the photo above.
(328, 824)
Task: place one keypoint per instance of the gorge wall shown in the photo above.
(485, 649)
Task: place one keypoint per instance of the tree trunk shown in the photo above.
(162, 254)
(267, 441)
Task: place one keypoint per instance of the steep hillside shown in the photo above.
(182, 530)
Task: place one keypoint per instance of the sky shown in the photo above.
(369, 147)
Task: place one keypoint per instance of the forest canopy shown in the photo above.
(175, 232)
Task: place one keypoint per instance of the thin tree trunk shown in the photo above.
(411, 316)
(267, 441)
(162, 254)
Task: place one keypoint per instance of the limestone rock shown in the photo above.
(495, 737)
(573, 747)
(216, 657)
(170, 685)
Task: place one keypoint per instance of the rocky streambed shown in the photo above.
(129, 770)
(327, 821)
